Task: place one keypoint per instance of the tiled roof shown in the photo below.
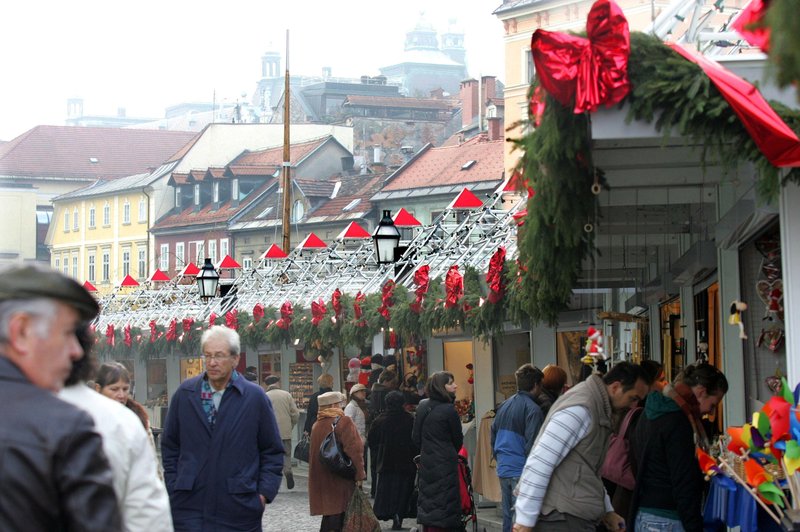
(274, 156)
(359, 187)
(215, 173)
(239, 171)
(197, 175)
(314, 187)
(103, 187)
(207, 215)
(385, 101)
(179, 179)
(88, 152)
(450, 165)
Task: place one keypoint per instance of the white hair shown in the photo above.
(230, 336)
(42, 309)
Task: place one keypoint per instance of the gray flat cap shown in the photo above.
(35, 282)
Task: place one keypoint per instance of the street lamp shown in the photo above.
(207, 280)
(386, 238)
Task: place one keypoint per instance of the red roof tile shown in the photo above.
(446, 165)
(68, 152)
(274, 156)
(215, 173)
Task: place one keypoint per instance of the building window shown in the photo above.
(142, 210)
(65, 264)
(235, 189)
(106, 266)
(223, 247)
(142, 264)
(126, 262)
(530, 66)
(75, 220)
(179, 255)
(216, 191)
(126, 213)
(200, 252)
(91, 268)
(57, 264)
(177, 197)
(247, 262)
(66, 221)
(91, 217)
(163, 258)
(75, 266)
(212, 251)
(106, 215)
(197, 194)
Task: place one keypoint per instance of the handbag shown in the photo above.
(302, 448)
(617, 465)
(359, 516)
(333, 456)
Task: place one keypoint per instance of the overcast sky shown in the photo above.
(150, 54)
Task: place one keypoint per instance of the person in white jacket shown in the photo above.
(356, 407)
(141, 494)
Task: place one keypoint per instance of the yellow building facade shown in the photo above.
(101, 235)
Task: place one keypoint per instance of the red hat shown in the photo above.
(366, 362)
(592, 332)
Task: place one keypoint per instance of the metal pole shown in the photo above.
(287, 180)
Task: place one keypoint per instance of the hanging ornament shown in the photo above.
(422, 280)
(153, 331)
(470, 373)
(735, 318)
(357, 311)
(187, 325)
(336, 303)
(127, 335)
(286, 316)
(110, 335)
(454, 286)
(172, 330)
(258, 312)
(387, 299)
(232, 319)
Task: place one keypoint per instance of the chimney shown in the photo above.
(377, 154)
(469, 102)
(489, 87)
(495, 127)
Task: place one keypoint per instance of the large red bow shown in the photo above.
(360, 298)
(153, 331)
(286, 316)
(318, 310)
(336, 303)
(494, 277)
(258, 312)
(422, 280)
(127, 335)
(232, 319)
(454, 286)
(752, 26)
(591, 71)
(387, 299)
(110, 334)
(172, 330)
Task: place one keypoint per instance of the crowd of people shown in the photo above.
(79, 454)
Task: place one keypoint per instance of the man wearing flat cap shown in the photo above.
(54, 475)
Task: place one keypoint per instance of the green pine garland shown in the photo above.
(784, 22)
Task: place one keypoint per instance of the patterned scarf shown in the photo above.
(207, 398)
(330, 411)
(682, 394)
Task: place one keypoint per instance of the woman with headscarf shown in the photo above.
(437, 433)
(328, 493)
(390, 440)
(669, 482)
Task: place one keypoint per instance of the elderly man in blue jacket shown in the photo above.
(514, 430)
(222, 451)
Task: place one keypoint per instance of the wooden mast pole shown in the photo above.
(286, 177)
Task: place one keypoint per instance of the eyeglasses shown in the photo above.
(216, 358)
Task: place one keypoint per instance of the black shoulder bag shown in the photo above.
(333, 456)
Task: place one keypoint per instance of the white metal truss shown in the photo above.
(465, 237)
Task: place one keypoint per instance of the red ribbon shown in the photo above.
(360, 298)
(587, 71)
(153, 331)
(536, 106)
(172, 330)
(110, 334)
(286, 316)
(387, 301)
(212, 319)
(187, 324)
(258, 312)
(127, 335)
(752, 26)
(494, 277)
(454, 286)
(318, 311)
(392, 339)
(774, 138)
(336, 303)
(232, 319)
(422, 280)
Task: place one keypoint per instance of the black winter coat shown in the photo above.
(313, 409)
(669, 476)
(389, 439)
(377, 400)
(54, 474)
(437, 432)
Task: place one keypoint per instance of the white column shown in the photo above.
(732, 353)
(790, 263)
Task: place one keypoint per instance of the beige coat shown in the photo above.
(329, 494)
(286, 412)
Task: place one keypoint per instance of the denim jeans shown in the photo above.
(646, 522)
(507, 486)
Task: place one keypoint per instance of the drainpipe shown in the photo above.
(147, 221)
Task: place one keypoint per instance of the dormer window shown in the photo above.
(235, 189)
(197, 194)
(177, 197)
(216, 192)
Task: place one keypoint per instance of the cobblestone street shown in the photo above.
(289, 512)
